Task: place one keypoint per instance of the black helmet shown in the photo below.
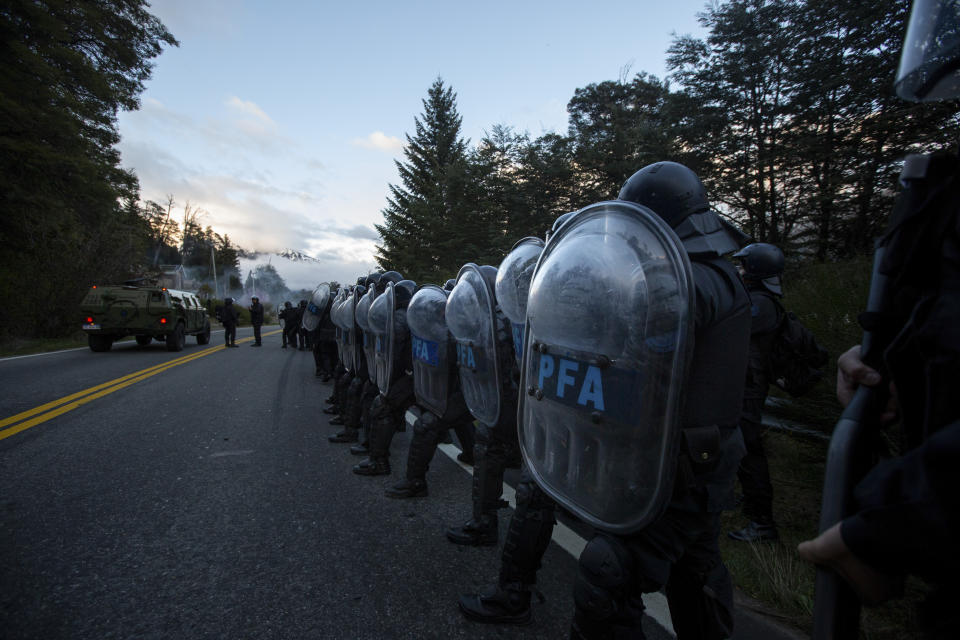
(403, 291)
(670, 189)
(930, 62)
(362, 280)
(389, 276)
(287, 304)
(762, 262)
(373, 279)
(228, 301)
(449, 284)
(489, 274)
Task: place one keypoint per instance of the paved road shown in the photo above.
(149, 494)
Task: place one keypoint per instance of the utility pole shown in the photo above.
(216, 284)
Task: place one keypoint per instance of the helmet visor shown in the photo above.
(930, 61)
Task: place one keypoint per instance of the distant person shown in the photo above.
(288, 314)
(229, 319)
(256, 319)
(761, 267)
(301, 333)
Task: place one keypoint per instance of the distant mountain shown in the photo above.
(290, 254)
(296, 256)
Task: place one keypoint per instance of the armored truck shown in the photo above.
(145, 312)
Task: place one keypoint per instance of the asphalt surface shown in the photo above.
(201, 499)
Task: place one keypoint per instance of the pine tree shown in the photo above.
(69, 213)
(427, 220)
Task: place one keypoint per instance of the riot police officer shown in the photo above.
(906, 509)
(388, 321)
(315, 318)
(287, 316)
(633, 308)
(761, 266)
(488, 377)
(531, 526)
(353, 308)
(440, 404)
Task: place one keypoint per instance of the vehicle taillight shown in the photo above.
(163, 321)
(94, 286)
(89, 320)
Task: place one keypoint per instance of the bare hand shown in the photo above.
(852, 372)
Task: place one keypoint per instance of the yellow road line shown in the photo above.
(69, 403)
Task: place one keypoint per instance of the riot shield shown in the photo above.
(348, 324)
(381, 321)
(513, 286)
(357, 348)
(316, 307)
(471, 317)
(607, 348)
(335, 319)
(430, 343)
(369, 338)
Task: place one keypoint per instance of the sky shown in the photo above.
(282, 120)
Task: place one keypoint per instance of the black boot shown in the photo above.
(476, 533)
(756, 532)
(408, 489)
(373, 467)
(331, 410)
(361, 449)
(338, 420)
(509, 604)
(347, 435)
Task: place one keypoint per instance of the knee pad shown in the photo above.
(605, 573)
(378, 408)
(426, 424)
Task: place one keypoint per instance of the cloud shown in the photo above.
(257, 122)
(380, 141)
(360, 231)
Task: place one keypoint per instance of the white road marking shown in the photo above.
(242, 452)
(50, 353)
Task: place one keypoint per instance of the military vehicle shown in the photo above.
(145, 312)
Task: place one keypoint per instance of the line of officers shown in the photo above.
(610, 358)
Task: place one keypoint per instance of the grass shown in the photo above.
(26, 346)
(827, 298)
(772, 574)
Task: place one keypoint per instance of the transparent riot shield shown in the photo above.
(315, 308)
(471, 317)
(348, 324)
(608, 340)
(357, 349)
(369, 338)
(381, 321)
(513, 286)
(430, 343)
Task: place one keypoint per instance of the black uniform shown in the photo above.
(754, 473)
(301, 332)
(256, 319)
(325, 346)
(679, 551)
(291, 324)
(229, 319)
(495, 448)
(908, 517)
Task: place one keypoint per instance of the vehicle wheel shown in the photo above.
(176, 339)
(204, 338)
(143, 340)
(100, 342)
